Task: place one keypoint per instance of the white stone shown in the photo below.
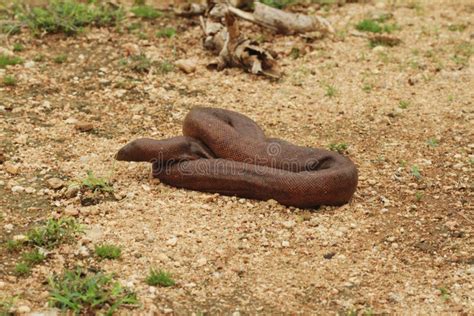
(285, 243)
(172, 241)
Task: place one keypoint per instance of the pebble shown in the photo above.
(201, 262)
(30, 190)
(131, 49)
(71, 191)
(8, 227)
(17, 188)
(55, 183)
(71, 120)
(289, 224)
(172, 241)
(285, 243)
(378, 49)
(11, 168)
(186, 65)
(163, 257)
(23, 309)
(84, 126)
(2, 284)
(30, 64)
(71, 212)
(20, 238)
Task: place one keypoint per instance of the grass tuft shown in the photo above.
(88, 293)
(33, 257)
(9, 81)
(146, 12)
(279, 4)
(108, 251)
(339, 147)
(53, 232)
(372, 26)
(160, 278)
(22, 269)
(60, 59)
(6, 60)
(70, 16)
(95, 184)
(168, 32)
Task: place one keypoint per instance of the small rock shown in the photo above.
(30, 190)
(329, 255)
(30, 64)
(167, 310)
(55, 183)
(378, 49)
(172, 241)
(201, 262)
(71, 120)
(162, 257)
(285, 243)
(131, 49)
(8, 227)
(17, 188)
(186, 65)
(23, 309)
(289, 224)
(2, 284)
(71, 191)
(11, 168)
(71, 212)
(20, 238)
(84, 126)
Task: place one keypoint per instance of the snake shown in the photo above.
(226, 152)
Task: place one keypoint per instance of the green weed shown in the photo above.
(415, 171)
(60, 59)
(279, 4)
(88, 293)
(95, 184)
(168, 32)
(339, 147)
(33, 257)
(372, 26)
(6, 60)
(17, 47)
(53, 232)
(70, 16)
(160, 278)
(108, 251)
(9, 80)
(22, 269)
(432, 142)
(146, 12)
(403, 104)
(331, 91)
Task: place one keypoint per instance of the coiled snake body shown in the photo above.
(226, 152)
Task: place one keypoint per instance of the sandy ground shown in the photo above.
(403, 245)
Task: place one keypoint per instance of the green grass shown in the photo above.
(279, 4)
(146, 12)
(462, 53)
(373, 26)
(432, 142)
(295, 53)
(70, 16)
(367, 87)
(33, 257)
(60, 59)
(13, 245)
(88, 293)
(159, 278)
(419, 196)
(403, 104)
(167, 32)
(6, 60)
(140, 63)
(339, 147)
(96, 184)
(9, 81)
(165, 67)
(17, 47)
(6, 303)
(53, 232)
(331, 91)
(445, 295)
(457, 27)
(10, 28)
(22, 269)
(415, 171)
(108, 251)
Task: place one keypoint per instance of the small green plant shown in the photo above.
(415, 171)
(22, 269)
(95, 184)
(6, 303)
(10, 28)
(432, 142)
(367, 87)
(70, 16)
(33, 257)
(295, 53)
(418, 196)
(444, 293)
(108, 251)
(17, 47)
(146, 12)
(6, 60)
(279, 4)
(60, 59)
(53, 232)
(139, 63)
(165, 67)
(331, 91)
(462, 53)
(373, 26)
(160, 278)
(457, 27)
(168, 32)
(88, 293)
(13, 245)
(339, 147)
(403, 104)
(39, 58)
(9, 80)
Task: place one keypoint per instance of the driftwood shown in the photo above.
(223, 37)
(284, 22)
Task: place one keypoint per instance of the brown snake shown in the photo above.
(226, 152)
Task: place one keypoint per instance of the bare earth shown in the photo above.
(404, 245)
